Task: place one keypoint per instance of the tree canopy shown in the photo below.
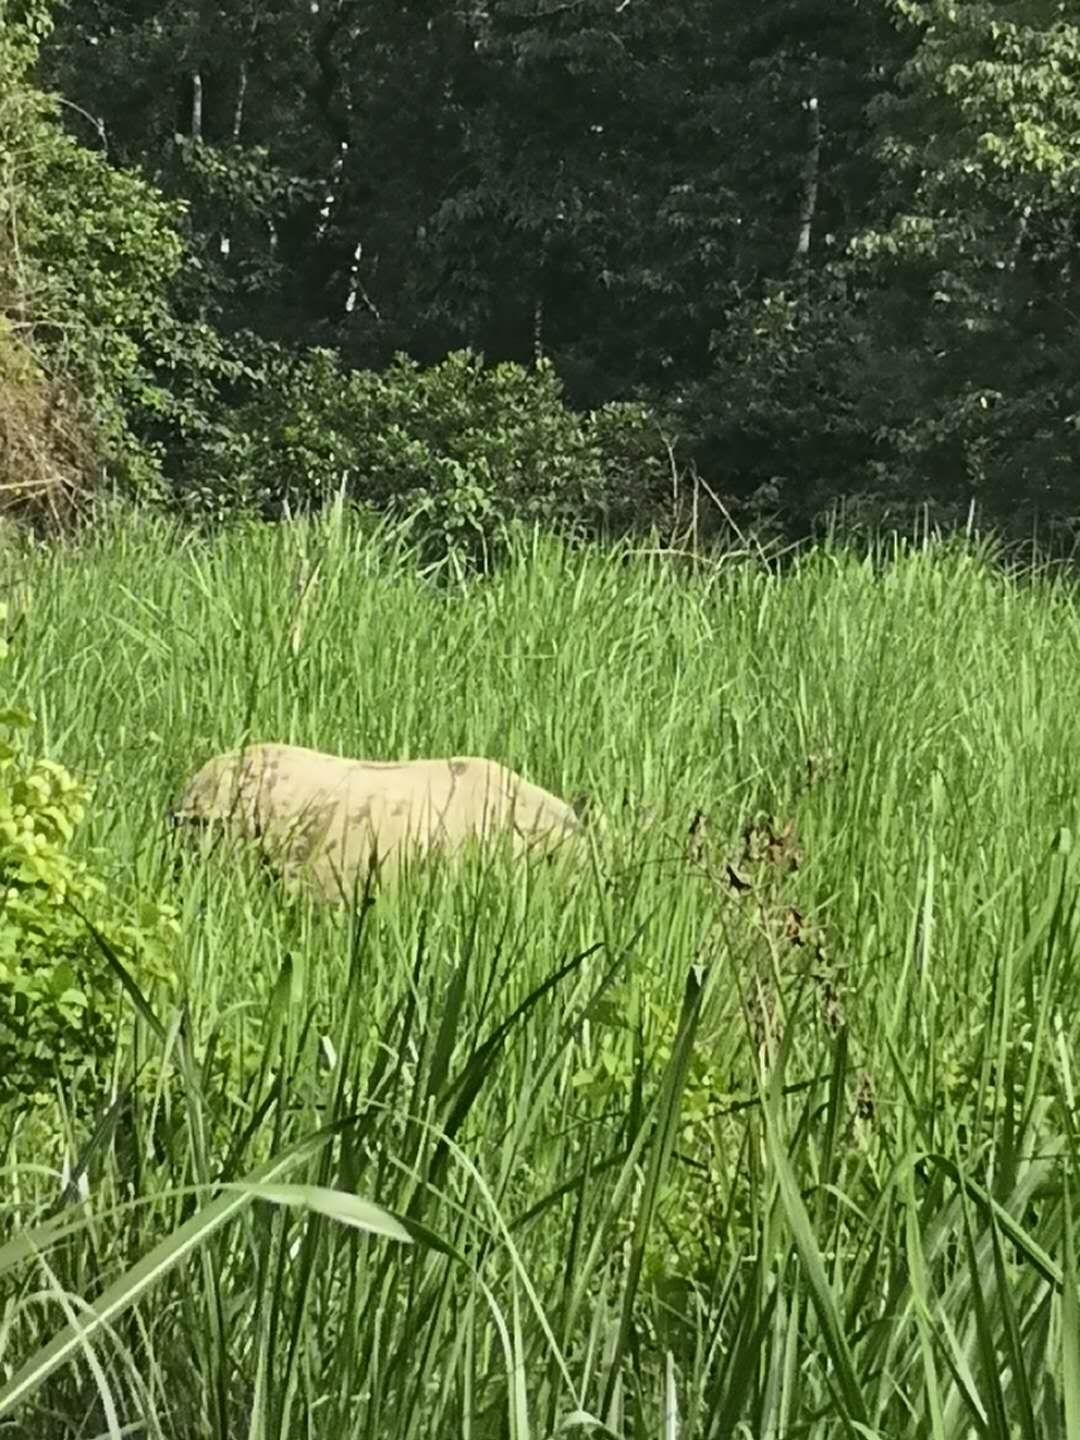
(831, 244)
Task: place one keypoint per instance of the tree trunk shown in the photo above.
(196, 104)
(811, 170)
(241, 95)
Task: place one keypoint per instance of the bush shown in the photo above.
(59, 999)
(459, 449)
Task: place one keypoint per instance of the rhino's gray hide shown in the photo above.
(321, 819)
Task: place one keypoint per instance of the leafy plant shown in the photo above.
(59, 998)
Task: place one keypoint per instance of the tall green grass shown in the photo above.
(757, 1122)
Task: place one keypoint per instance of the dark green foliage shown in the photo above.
(833, 243)
(603, 180)
(930, 361)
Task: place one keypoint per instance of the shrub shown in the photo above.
(460, 449)
(59, 999)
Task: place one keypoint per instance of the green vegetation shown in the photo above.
(58, 1011)
(459, 449)
(781, 1148)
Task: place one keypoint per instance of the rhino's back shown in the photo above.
(324, 818)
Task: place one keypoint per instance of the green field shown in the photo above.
(757, 1122)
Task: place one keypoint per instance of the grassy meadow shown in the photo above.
(755, 1121)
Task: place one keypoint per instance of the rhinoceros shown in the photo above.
(322, 820)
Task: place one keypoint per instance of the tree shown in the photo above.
(835, 242)
(930, 359)
(601, 182)
(306, 140)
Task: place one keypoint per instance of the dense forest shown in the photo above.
(811, 250)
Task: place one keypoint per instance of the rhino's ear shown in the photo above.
(181, 820)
